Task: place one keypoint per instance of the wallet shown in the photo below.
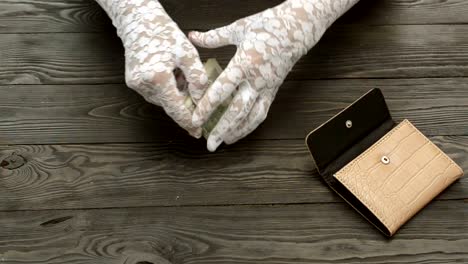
(386, 171)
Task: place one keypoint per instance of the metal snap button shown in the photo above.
(385, 160)
(349, 124)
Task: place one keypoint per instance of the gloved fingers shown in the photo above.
(195, 75)
(215, 38)
(256, 117)
(221, 89)
(173, 101)
(237, 111)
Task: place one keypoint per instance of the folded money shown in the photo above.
(213, 70)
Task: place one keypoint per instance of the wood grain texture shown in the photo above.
(86, 113)
(61, 59)
(54, 114)
(407, 12)
(167, 200)
(32, 16)
(327, 233)
(173, 174)
(345, 52)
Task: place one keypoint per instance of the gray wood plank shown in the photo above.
(29, 16)
(61, 59)
(36, 177)
(55, 114)
(33, 16)
(326, 233)
(407, 12)
(345, 52)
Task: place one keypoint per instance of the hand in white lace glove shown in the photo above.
(154, 48)
(268, 46)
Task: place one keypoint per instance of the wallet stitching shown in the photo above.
(440, 150)
(371, 207)
(383, 140)
(348, 167)
(435, 178)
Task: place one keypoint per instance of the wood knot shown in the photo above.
(56, 221)
(13, 162)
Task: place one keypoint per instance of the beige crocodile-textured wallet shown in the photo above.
(399, 175)
(387, 172)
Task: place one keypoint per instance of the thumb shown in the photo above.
(215, 38)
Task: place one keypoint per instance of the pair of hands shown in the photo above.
(268, 46)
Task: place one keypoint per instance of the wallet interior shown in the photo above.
(344, 137)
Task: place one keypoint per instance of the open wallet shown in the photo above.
(386, 171)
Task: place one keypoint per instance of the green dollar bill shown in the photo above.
(213, 70)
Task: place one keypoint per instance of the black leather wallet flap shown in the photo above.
(346, 136)
(344, 131)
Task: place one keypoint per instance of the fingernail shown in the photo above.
(196, 120)
(197, 133)
(203, 79)
(192, 34)
(229, 141)
(214, 143)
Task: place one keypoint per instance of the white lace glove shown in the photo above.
(269, 44)
(154, 48)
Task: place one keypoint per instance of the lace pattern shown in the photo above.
(269, 45)
(154, 48)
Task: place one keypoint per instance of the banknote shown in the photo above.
(213, 70)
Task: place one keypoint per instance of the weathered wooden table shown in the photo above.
(90, 173)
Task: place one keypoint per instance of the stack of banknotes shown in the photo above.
(213, 70)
